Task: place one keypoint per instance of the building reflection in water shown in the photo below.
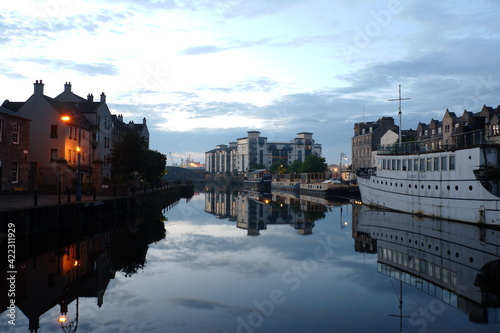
(58, 266)
(255, 211)
(455, 263)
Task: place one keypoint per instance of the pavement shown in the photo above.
(27, 200)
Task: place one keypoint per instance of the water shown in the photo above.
(234, 262)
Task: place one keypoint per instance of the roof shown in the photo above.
(11, 113)
(13, 106)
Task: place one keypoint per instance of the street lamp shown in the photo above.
(68, 326)
(78, 151)
(340, 164)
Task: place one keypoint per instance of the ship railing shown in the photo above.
(460, 140)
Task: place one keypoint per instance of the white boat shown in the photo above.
(458, 183)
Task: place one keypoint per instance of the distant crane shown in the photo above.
(172, 159)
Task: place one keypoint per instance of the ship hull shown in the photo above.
(455, 194)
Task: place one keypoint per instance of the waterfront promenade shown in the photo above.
(27, 200)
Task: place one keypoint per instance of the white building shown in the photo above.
(254, 149)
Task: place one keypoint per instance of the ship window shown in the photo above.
(415, 164)
(429, 164)
(470, 188)
(410, 164)
(384, 166)
(456, 187)
(393, 162)
(404, 164)
(452, 162)
(436, 163)
(422, 164)
(398, 165)
(443, 163)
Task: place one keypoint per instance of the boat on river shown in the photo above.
(459, 182)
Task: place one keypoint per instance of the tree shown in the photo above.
(128, 155)
(295, 167)
(314, 163)
(279, 166)
(153, 167)
(131, 155)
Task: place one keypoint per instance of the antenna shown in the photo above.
(399, 110)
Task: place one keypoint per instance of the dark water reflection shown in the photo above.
(227, 261)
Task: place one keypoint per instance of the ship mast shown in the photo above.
(399, 110)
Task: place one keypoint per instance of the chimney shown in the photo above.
(38, 87)
(144, 121)
(103, 98)
(90, 97)
(67, 86)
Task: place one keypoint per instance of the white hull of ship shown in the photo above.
(454, 194)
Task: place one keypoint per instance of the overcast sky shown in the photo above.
(205, 72)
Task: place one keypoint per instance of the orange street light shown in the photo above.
(65, 118)
(61, 319)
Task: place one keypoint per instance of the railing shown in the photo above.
(462, 140)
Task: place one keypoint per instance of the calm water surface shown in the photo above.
(247, 263)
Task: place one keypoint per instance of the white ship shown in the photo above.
(460, 183)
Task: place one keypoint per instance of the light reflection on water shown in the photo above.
(235, 262)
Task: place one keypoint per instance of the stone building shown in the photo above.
(14, 148)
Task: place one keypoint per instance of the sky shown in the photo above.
(204, 73)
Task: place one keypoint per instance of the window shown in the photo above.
(15, 172)
(53, 131)
(444, 165)
(410, 164)
(495, 130)
(436, 163)
(69, 155)
(53, 154)
(404, 164)
(422, 164)
(415, 164)
(446, 128)
(429, 164)
(399, 165)
(452, 162)
(15, 133)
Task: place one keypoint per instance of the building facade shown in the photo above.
(14, 148)
(66, 134)
(254, 150)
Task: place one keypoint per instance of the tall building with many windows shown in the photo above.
(255, 151)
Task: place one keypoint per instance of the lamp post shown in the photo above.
(68, 326)
(78, 167)
(340, 164)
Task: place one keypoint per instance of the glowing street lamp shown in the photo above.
(78, 150)
(68, 326)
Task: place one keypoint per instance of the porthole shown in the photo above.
(456, 187)
(448, 187)
(416, 242)
(470, 187)
(437, 187)
(457, 255)
(471, 259)
(437, 248)
(415, 185)
(409, 185)
(428, 187)
(422, 187)
(429, 246)
(385, 183)
(448, 252)
(391, 183)
(401, 185)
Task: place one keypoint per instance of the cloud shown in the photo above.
(86, 69)
(231, 45)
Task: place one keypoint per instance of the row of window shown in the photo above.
(422, 266)
(438, 163)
